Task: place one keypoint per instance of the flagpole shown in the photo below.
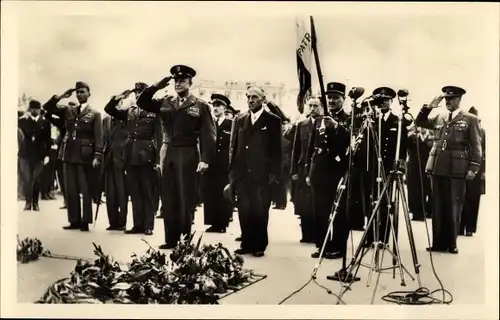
(318, 66)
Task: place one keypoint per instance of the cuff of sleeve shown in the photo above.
(474, 167)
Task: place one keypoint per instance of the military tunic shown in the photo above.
(140, 154)
(456, 150)
(82, 144)
(327, 163)
(186, 124)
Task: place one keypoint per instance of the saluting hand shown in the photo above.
(66, 94)
(122, 95)
(202, 167)
(435, 102)
(163, 82)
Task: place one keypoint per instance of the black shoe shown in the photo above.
(134, 231)
(453, 250)
(159, 216)
(315, 255)
(84, 227)
(258, 254)
(121, 228)
(418, 219)
(166, 246)
(212, 229)
(63, 207)
(238, 239)
(110, 228)
(305, 240)
(468, 234)
(73, 226)
(148, 232)
(36, 207)
(434, 249)
(241, 251)
(332, 255)
(27, 206)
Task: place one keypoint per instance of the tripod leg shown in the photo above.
(409, 229)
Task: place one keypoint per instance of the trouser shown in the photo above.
(141, 182)
(280, 198)
(323, 196)
(470, 211)
(60, 177)
(48, 174)
(447, 203)
(31, 175)
(254, 201)
(78, 180)
(304, 206)
(179, 189)
(216, 209)
(359, 205)
(116, 195)
(418, 190)
(20, 180)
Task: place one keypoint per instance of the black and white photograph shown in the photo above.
(316, 159)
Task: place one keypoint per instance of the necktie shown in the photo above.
(450, 116)
(78, 110)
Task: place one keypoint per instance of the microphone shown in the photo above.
(356, 92)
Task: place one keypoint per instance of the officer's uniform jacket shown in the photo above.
(300, 144)
(37, 140)
(457, 144)
(388, 139)
(115, 136)
(220, 161)
(327, 152)
(144, 137)
(83, 141)
(185, 124)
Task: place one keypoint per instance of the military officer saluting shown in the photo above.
(327, 163)
(187, 123)
(217, 209)
(81, 152)
(455, 158)
(141, 155)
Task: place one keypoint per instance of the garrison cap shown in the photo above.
(473, 111)
(34, 104)
(140, 86)
(385, 92)
(182, 72)
(335, 87)
(221, 99)
(453, 91)
(81, 85)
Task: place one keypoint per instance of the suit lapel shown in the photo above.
(260, 121)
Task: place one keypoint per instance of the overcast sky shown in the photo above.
(401, 48)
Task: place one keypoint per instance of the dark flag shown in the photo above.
(304, 51)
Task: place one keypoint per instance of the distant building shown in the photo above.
(235, 91)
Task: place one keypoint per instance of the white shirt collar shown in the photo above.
(386, 115)
(83, 106)
(220, 120)
(454, 113)
(34, 118)
(255, 116)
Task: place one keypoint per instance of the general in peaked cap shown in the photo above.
(220, 98)
(81, 85)
(34, 104)
(182, 72)
(473, 111)
(385, 92)
(140, 86)
(336, 87)
(453, 91)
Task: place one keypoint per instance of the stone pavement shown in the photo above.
(287, 262)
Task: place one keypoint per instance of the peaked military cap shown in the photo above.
(335, 87)
(453, 91)
(182, 72)
(231, 109)
(220, 98)
(81, 85)
(385, 92)
(140, 86)
(34, 104)
(473, 111)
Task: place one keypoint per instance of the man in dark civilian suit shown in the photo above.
(455, 158)
(217, 209)
(115, 134)
(303, 194)
(327, 163)
(81, 152)
(141, 154)
(255, 164)
(187, 123)
(473, 191)
(20, 138)
(33, 152)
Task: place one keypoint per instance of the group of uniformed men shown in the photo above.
(168, 149)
